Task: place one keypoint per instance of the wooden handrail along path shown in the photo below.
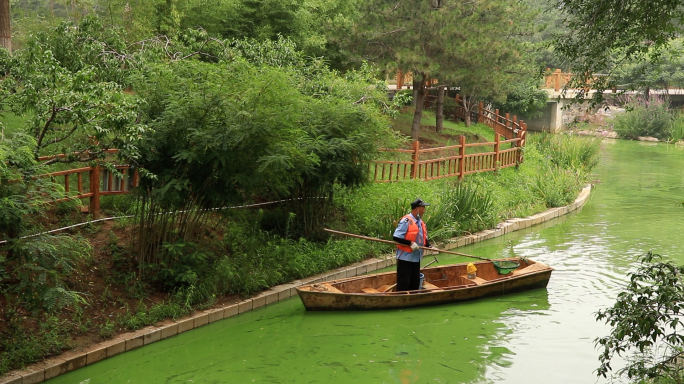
(93, 182)
(455, 160)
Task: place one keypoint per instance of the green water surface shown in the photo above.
(540, 336)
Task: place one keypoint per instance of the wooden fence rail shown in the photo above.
(455, 160)
(93, 182)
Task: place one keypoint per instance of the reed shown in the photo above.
(158, 225)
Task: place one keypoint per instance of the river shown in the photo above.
(544, 335)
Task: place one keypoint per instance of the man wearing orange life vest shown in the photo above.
(411, 234)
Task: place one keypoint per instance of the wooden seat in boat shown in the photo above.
(476, 280)
(427, 285)
(370, 290)
(531, 268)
(331, 288)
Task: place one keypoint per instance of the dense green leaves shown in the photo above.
(225, 133)
(605, 33)
(70, 88)
(32, 270)
(475, 46)
(645, 322)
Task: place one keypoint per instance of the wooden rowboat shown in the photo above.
(443, 284)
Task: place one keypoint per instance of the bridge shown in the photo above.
(561, 108)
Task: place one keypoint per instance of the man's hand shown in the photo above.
(414, 246)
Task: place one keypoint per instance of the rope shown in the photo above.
(128, 216)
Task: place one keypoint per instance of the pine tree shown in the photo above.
(475, 45)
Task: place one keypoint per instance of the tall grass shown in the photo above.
(677, 132)
(645, 116)
(579, 154)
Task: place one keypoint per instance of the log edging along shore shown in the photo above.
(80, 357)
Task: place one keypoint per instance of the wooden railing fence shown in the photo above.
(92, 182)
(555, 80)
(455, 160)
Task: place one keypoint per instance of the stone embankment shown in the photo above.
(72, 360)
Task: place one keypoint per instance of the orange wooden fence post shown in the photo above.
(416, 158)
(95, 190)
(497, 124)
(557, 80)
(496, 151)
(521, 144)
(461, 162)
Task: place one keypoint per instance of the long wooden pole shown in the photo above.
(394, 243)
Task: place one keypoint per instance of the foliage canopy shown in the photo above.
(646, 322)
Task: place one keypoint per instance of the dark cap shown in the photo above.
(418, 203)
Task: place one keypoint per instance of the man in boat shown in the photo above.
(411, 234)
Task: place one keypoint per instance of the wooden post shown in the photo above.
(400, 79)
(461, 162)
(496, 151)
(557, 80)
(95, 190)
(515, 123)
(416, 158)
(497, 125)
(79, 182)
(480, 115)
(66, 183)
(522, 133)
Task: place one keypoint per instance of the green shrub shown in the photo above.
(254, 259)
(677, 132)
(645, 117)
(19, 348)
(557, 186)
(580, 154)
(461, 207)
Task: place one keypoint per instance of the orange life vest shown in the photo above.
(412, 233)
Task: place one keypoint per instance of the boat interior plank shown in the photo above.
(476, 280)
(427, 285)
(370, 290)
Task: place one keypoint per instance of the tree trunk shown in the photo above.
(466, 108)
(439, 109)
(5, 30)
(419, 91)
